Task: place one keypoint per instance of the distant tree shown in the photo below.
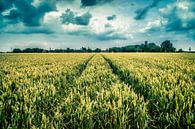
(180, 50)
(190, 49)
(59, 50)
(68, 50)
(167, 46)
(146, 43)
(97, 50)
(152, 47)
(146, 49)
(27, 50)
(33, 50)
(37, 50)
(137, 48)
(115, 49)
(89, 49)
(134, 48)
(141, 48)
(17, 50)
(83, 49)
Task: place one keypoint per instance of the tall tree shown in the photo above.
(167, 46)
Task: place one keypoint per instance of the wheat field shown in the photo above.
(97, 91)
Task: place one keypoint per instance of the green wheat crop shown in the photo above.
(92, 91)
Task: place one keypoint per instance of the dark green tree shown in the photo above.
(180, 50)
(17, 50)
(146, 48)
(83, 49)
(89, 49)
(97, 50)
(152, 47)
(167, 46)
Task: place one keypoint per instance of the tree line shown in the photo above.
(67, 50)
(165, 46)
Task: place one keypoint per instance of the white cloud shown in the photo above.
(154, 25)
(36, 3)
(53, 22)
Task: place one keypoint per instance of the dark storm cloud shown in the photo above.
(71, 17)
(5, 4)
(13, 14)
(83, 19)
(180, 20)
(176, 23)
(25, 12)
(113, 17)
(141, 13)
(85, 3)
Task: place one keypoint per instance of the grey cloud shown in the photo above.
(19, 28)
(2, 24)
(176, 23)
(177, 20)
(113, 36)
(113, 17)
(32, 31)
(180, 23)
(66, 0)
(107, 35)
(31, 15)
(5, 4)
(37, 31)
(141, 13)
(71, 17)
(85, 3)
(108, 25)
(84, 19)
(25, 12)
(13, 17)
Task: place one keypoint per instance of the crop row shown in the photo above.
(97, 91)
(32, 87)
(170, 93)
(100, 100)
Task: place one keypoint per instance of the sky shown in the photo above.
(95, 23)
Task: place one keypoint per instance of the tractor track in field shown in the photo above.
(80, 68)
(101, 78)
(123, 78)
(72, 77)
(52, 103)
(45, 105)
(128, 79)
(135, 85)
(140, 90)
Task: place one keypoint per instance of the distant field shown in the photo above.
(114, 91)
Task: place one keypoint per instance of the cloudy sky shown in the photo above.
(95, 23)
